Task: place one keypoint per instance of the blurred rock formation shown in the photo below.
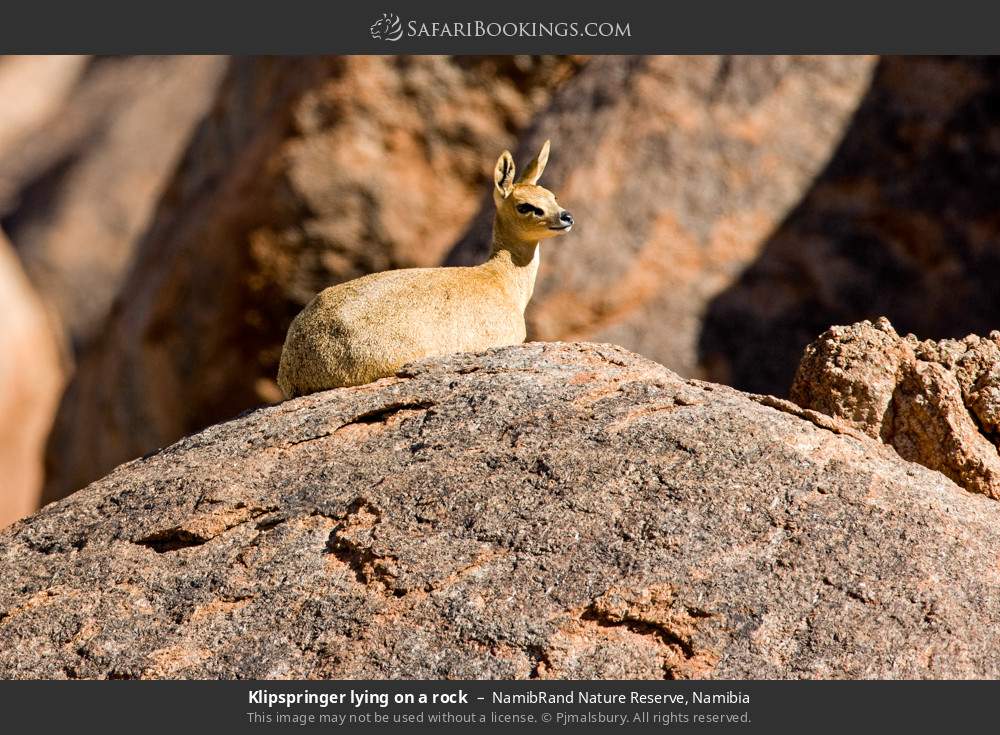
(903, 223)
(32, 370)
(309, 171)
(79, 187)
(678, 169)
(86, 148)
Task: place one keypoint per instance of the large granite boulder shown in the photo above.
(545, 510)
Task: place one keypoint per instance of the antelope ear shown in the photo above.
(534, 170)
(503, 174)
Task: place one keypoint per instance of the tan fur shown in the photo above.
(368, 328)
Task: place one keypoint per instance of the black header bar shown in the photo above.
(509, 27)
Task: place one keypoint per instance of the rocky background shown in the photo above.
(819, 229)
(173, 213)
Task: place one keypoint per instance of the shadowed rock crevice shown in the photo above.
(352, 542)
(171, 540)
(202, 527)
(382, 415)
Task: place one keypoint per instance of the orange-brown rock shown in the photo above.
(903, 222)
(80, 186)
(308, 171)
(936, 403)
(31, 379)
(547, 510)
(32, 90)
(677, 169)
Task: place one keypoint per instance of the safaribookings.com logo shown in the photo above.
(390, 28)
(387, 28)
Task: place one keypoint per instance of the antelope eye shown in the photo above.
(527, 209)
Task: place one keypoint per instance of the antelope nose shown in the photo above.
(566, 217)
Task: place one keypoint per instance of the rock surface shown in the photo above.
(80, 186)
(86, 146)
(937, 403)
(546, 510)
(32, 90)
(32, 372)
(678, 169)
(309, 171)
(902, 223)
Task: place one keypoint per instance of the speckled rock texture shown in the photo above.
(545, 510)
(936, 402)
